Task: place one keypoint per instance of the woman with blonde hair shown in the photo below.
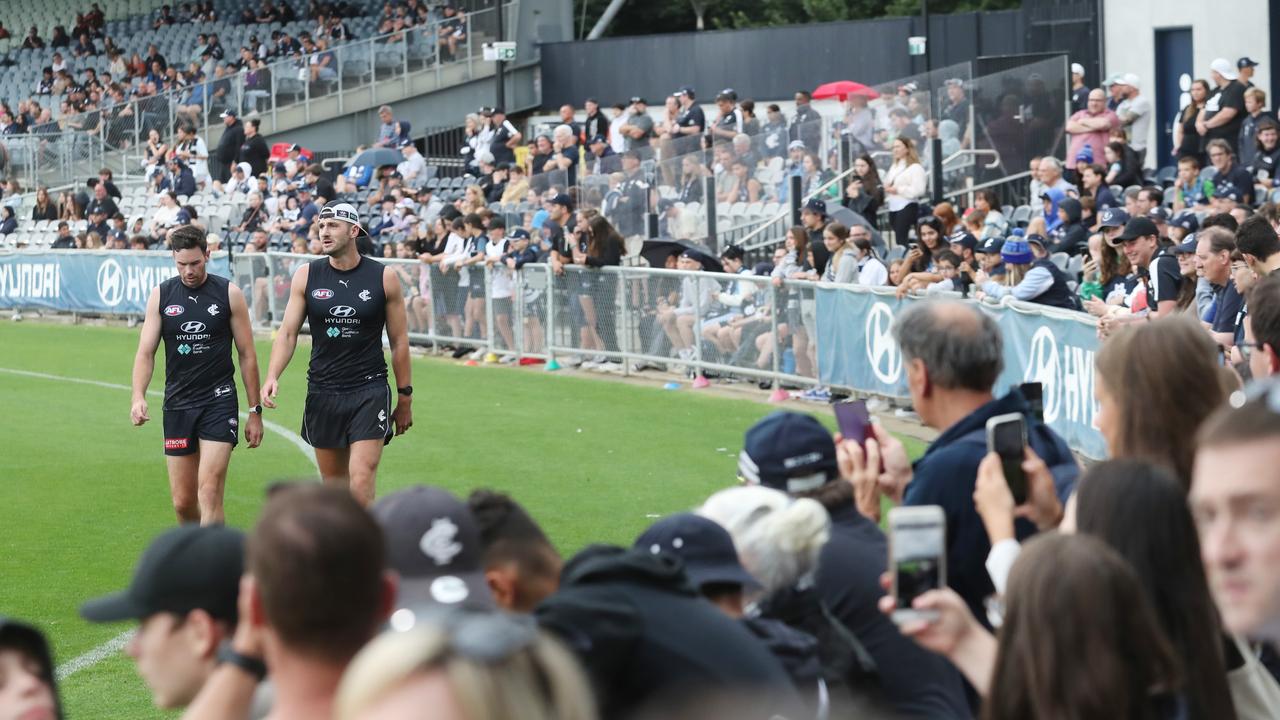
(473, 200)
(904, 184)
(464, 666)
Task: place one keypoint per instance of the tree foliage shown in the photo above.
(647, 17)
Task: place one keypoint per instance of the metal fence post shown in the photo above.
(470, 57)
(698, 379)
(550, 330)
(306, 87)
(778, 307)
(403, 42)
(275, 102)
(488, 309)
(623, 326)
(517, 312)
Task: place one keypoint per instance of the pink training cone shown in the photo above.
(778, 395)
(701, 382)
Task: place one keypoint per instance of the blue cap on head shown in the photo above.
(1017, 252)
(991, 246)
(1186, 220)
(788, 451)
(1112, 217)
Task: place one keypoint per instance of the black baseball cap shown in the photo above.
(685, 90)
(1246, 62)
(727, 94)
(1136, 228)
(190, 567)
(562, 199)
(434, 544)
(637, 99)
(815, 205)
(230, 112)
(707, 550)
(597, 139)
(991, 246)
(788, 451)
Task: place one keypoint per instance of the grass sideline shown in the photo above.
(593, 460)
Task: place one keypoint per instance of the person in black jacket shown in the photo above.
(254, 149)
(597, 292)
(916, 683)
(228, 146)
(650, 642)
(1070, 237)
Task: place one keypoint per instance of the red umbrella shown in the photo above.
(842, 89)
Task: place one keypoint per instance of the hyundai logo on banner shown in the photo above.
(882, 349)
(110, 282)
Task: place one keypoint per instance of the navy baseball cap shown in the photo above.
(1227, 190)
(190, 567)
(816, 206)
(406, 142)
(685, 90)
(1246, 62)
(1158, 214)
(597, 139)
(562, 199)
(1186, 247)
(727, 94)
(1113, 217)
(990, 246)
(1036, 239)
(1136, 228)
(434, 544)
(788, 451)
(1187, 220)
(519, 234)
(964, 239)
(707, 549)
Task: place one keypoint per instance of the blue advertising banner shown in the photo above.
(98, 281)
(856, 350)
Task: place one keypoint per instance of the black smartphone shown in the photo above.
(853, 420)
(1007, 437)
(1034, 393)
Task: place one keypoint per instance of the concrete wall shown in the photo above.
(1229, 29)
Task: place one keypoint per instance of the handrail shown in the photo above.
(977, 151)
(764, 224)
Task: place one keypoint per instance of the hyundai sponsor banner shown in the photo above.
(856, 350)
(88, 281)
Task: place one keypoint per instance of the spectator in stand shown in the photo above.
(1261, 346)
(1092, 126)
(1071, 235)
(1050, 174)
(1266, 159)
(1255, 104)
(65, 240)
(1214, 247)
(8, 221)
(956, 106)
(30, 688)
(183, 597)
(1135, 114)
(728, 123)
(1079, 91)
(254, 149)
(864, 194)
(871, 269)
(316, 590)
(1027, 278)
(951, 357)
(638, 128)
(691, 120)
(228, 146)
(44, 209)
(904, 184)
(1223, 112)
(389, 131)
(1256, 239)
(793, 453)
(521, 565)
(806, 124)
(1230, 174)
(413, 169)
(1191, 191)
(1093, 185)
(33, 41)
(1235, 488)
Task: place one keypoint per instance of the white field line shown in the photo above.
(117, 643)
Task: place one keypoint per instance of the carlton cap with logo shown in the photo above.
(344, 212)
(187, 568)
(706, 548)
(788, 451)
(434, 544)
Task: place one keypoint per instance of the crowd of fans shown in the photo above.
(771, 599)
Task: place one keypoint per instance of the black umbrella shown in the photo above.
(658, 250)
(377, 157)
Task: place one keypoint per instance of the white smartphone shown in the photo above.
(917, 557)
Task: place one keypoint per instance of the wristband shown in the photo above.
(251, 665)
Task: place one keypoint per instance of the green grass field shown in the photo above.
(83, 491)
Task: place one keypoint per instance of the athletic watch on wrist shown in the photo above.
(251, 665)
(406, 391)
(255, 410)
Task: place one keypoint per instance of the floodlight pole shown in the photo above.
(935, 141)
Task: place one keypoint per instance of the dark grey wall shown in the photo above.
(773, 63)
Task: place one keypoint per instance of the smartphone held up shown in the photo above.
(917, 557)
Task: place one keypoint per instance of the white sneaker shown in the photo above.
(588, 365)
(599, 359)
(686, 354)
(477, 355)
(571, 361)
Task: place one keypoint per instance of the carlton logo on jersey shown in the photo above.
(322, 293)
(174, 310)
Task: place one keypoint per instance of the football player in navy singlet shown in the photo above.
(199, 316)
(347, 300)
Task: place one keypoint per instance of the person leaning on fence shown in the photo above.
(732, 302)
(697, 295)
(1027, 278)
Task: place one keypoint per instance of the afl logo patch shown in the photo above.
(174, 310)
(322, 294)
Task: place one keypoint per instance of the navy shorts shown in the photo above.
(184, 429)
(335, 420)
